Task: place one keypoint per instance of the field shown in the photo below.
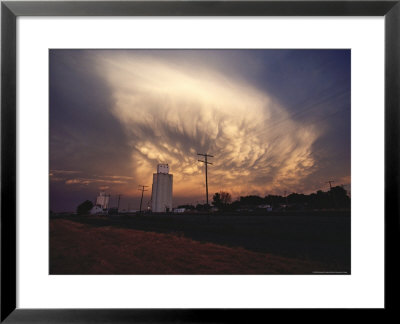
(201, 244)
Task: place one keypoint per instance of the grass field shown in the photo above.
(113, 246)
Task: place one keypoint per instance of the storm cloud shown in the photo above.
(134, 109)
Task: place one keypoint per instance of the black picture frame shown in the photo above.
(10, 10)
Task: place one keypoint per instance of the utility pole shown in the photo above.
(330, 183)
(119, 199)
(141, 200)
(206, 162)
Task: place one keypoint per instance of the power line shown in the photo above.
(206, 163)
(141, 199)
(273, 124)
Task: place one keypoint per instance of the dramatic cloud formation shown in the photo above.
(170, 113)
(275, 121)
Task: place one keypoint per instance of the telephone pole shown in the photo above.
(206, 162)
(119, 199)
(141, 200)
(330, 183)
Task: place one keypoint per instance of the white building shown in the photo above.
(97, 210)
(162, 190)
(103, 200)
(179, 210)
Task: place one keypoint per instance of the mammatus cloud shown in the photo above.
(171, 112)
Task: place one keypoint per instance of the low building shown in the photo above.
(96, 210)
(179, 210)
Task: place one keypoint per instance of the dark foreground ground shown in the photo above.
(302, 242)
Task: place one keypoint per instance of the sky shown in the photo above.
(275, 121)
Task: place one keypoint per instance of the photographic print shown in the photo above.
(175, 162)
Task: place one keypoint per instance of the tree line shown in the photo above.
(335, 198)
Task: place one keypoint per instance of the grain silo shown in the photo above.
(162, 190)
(103, 200)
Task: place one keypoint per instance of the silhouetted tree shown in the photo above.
(226, 198)
(251, 200)
(340, 197)
(222, 199)
(84, 208)
(217, 200)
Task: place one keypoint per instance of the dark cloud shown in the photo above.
(82, 128)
